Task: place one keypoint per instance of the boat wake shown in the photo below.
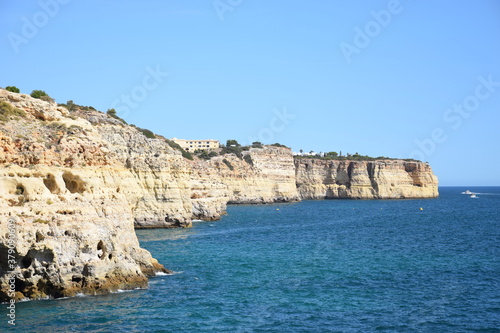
(168, 274)
(474, 194)
(486, 193)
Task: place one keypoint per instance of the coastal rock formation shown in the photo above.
(68, 240)
(76, 184)
(381, 179)
(68, 195)
(263, 175)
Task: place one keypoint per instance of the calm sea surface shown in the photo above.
(314, 266)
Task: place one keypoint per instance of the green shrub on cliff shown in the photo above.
(174, 145)
(187, 155)
(147, 133)
(236, 150)
(7, 111)
(72, 106)
(57, 126)
(12, 89)
(248, 159)
(38, 94)
(228, 164)
(204, 154)
(112, 114)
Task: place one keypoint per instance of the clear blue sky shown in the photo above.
(375, 78)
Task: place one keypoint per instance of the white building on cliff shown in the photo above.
(192, 145)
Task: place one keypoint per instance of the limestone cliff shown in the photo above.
(263, 175)
(381, 179)
(64, 184)
(77, 183)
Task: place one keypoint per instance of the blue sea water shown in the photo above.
(313, 266)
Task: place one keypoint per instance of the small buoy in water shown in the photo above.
(421, 208)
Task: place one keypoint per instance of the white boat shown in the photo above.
(467, 192)
(473, 195)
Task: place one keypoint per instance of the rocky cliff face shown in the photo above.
(263, 175)
(77, 183)
(65, 187)
(382, 179)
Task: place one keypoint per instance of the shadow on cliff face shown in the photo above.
(74, 183)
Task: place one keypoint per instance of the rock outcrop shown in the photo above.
(78, 183)
(69, 194)
(263, 175)
(381, 179)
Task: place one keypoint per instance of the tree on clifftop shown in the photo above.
(231, 143)
(12, 89)
(38, 94)
(332, 154)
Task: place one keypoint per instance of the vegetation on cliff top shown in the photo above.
(12, 89)
(40, 94)
(147, 133)
(71, 106)
(233, 147)
(112, 114)
(351, 157)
